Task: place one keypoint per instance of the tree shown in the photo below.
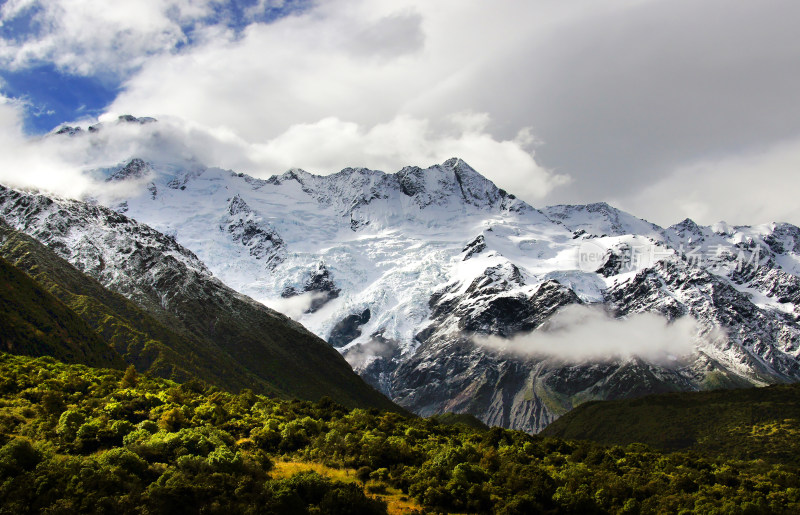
(131, 377)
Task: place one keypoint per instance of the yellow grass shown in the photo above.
(284, 469)
(397, 503)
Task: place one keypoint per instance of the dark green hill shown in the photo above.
(750, 423)
(211, 333)
(136, 336)
(35, 323)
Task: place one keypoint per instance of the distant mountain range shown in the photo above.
(409, 274)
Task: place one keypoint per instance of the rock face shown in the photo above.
(409, 270)
(135, 169)
(319, 286)
(348, 329)
(246, 228)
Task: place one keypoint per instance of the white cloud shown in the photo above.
(97, 36)
(578, 334)
(366, 62)
(62, 164)
(362, 354)
(323, 147)
(349, 83)
(27, 163)
(296, 306)
(332, 144)
(751, 188)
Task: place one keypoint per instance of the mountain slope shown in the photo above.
(600, 219)
(174, 287)
(35, 323)
(139, 338)
(750, 423)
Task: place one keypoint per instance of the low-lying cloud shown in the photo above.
(296, 306)
(362, 354)
(579, 334)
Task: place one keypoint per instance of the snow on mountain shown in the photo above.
(386, 240)
(600, 219)
(399, 272)
(761, 261)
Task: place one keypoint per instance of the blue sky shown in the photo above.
(52, 97)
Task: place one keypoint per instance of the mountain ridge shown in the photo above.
(744, 424)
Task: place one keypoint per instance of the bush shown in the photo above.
(377, 487)
(68, 424)
(18, 456)
(363, 473)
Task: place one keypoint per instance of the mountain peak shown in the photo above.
(135, 169)
(128, 118)
(68, 130)
(600, 219)
(453, 179)
(460, 166)
(686, 226)
(452, 183)
(292, 174)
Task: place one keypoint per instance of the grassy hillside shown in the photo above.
(750, 423)
(137, 337)
(219, 337)
(77, 439)
(35, 323)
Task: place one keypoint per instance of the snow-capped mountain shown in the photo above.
(403, 272)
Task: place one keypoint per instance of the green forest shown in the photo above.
(80, 439)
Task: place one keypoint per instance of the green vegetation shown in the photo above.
(460, 419)
(246, 346)
(747, 424)
(36, 323)
(78, 439)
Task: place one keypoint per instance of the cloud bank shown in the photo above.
(759, 185)
(578, 334)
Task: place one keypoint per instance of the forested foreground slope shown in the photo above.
(79, 439)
